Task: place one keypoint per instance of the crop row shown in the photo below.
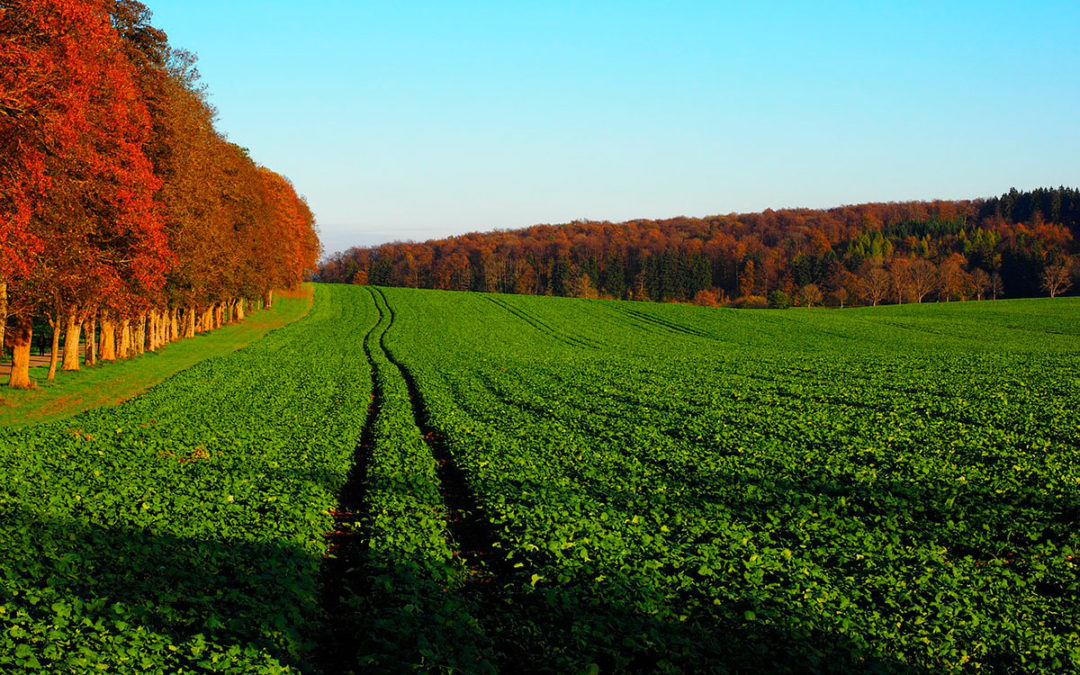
(680, 488)
(559, 485)
(411, 611)
(184, 530)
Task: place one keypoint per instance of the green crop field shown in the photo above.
(446, 481)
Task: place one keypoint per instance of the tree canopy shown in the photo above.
(862, 254)
(118, 197)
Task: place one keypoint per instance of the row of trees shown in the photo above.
(123, 212)
(912, 280)
(864, 254)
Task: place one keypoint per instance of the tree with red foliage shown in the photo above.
(120, 206)
(674, 259)
(96, 226)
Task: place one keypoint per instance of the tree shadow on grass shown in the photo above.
(77, 595)
(412, 620)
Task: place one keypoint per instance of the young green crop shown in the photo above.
(663, 488)
(412, 614)
(184, 529)
(682, 488)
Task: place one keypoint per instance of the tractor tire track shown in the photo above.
(342, 573)
(470, 529)
(668, 326)
(538, 324)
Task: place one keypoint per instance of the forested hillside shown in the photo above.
(124, 214)
(1018, 245)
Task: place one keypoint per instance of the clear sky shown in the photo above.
(411, 120)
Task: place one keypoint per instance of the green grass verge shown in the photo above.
(113, 383)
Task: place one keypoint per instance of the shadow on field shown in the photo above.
(413, 619)
(110, 586)
(254, 597)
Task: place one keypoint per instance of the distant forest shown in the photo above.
(1021, 244)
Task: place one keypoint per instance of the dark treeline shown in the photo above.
(1021, 244)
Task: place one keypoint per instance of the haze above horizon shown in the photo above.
(418, 120)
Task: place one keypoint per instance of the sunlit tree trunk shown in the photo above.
(54, 353)
(240, 309)
(268, 299)
(108, 338)
(123, 351)
(138, 337)
(72, 337)
(22, 331)
(91, 340)
(152, 330)
(189, 315)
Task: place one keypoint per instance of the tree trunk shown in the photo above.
(71, 342)
(22, 331)
(138, 335)
(54, 323)
(174, 324)
(91, 340)
(189, 315)
(268, 299)
(240, 309)
(152, 330)
(108, 338)
(124, 349)
(3, 315)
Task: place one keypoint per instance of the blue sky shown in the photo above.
(411, 120)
